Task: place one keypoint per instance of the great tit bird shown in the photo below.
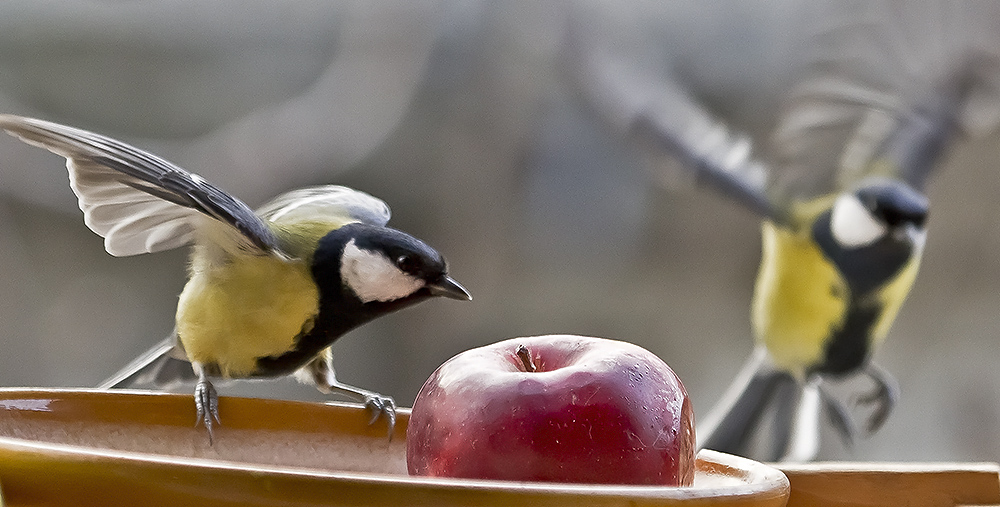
(267, 292)
(835, 270)
(842, 206)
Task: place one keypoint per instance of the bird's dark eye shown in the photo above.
(406, 263)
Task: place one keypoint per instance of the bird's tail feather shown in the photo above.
(160, 365)
(801, 425)
(731, 423)
(770, 415)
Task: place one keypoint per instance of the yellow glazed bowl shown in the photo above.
(89, 447)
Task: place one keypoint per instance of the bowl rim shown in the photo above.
(757, 479)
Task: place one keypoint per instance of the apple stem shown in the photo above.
(525, 355)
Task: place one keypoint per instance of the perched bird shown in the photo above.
(841, 200)
(268, 292)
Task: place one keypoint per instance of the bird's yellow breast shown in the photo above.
(892, 296)
(799, 299)
(232, 313)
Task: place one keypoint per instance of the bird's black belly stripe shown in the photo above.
(334, 320)
(850, 345)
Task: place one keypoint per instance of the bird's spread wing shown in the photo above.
(718, 158)
(328, 202)
(886, 88)
(138, 202)
(649, 105)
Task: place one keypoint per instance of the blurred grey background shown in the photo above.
(458, 114)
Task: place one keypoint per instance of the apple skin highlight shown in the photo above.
(593, 411)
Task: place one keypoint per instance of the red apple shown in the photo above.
(557, 408)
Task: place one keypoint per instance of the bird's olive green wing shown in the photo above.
(139, 202)
(301, 217)
(332, 203)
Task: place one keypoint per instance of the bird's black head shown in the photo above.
(894, 203)
(379, 269)
(874, 230)
(364, 272)
(878, 210)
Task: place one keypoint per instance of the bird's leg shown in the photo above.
(884, 396)
(323, 375)
(206, 400)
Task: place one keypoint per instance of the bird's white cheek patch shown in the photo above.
(373, 277)
(917, 236)
(853, 225)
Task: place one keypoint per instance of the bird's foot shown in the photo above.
(206, 401)
(883, 397)
(379, 405)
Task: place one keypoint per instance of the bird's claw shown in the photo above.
(380, 406)
(206, 402)
(883, 398)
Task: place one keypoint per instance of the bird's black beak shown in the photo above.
(449, 288)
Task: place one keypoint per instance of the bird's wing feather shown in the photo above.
(885, 90)
(326, 202)
(885, 87)
(138, 202)
(651, 106)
